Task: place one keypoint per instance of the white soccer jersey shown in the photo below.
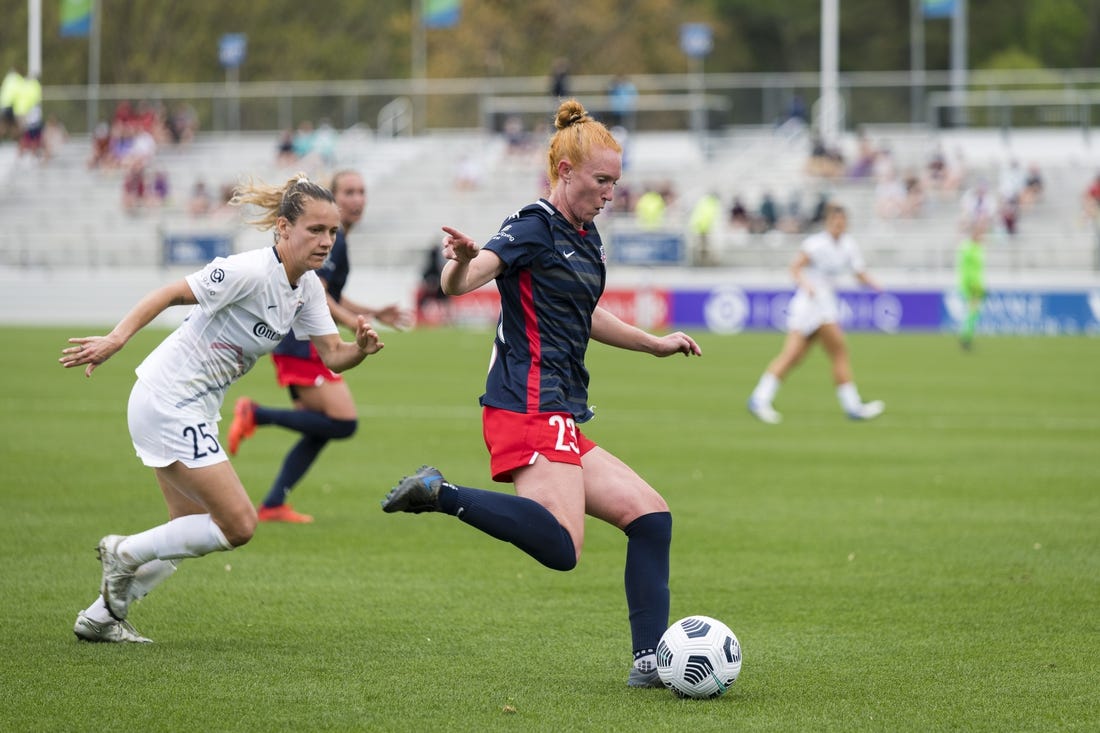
(246, 306)
(830, 259)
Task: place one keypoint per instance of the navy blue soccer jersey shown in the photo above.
(334, 274)
(552, 280)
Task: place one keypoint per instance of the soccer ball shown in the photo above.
(698, 657)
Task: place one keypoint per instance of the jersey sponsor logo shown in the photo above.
(263, 330)
(503, 234)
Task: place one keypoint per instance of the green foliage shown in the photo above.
(154, 41)
(934, 570)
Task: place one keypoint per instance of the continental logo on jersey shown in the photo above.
(264, 331)
(503, 234)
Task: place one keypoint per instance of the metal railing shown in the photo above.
(733, 98)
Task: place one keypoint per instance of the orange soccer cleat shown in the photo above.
(243, 425)
(283, 513)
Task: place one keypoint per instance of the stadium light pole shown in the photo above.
(828, 123)
(34, 38)
(916, 61)
(958, 63)
(419, 62)
(93, 66)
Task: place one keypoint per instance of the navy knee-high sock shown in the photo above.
(525, 523)
(308, 422)
(647, 547)
(316, 428)
(297, 462)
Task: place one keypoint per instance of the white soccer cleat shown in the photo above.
(868, 410)
(111, 632)
(117, 577)
(764, 412)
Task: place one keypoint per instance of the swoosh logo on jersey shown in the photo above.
(570, 253)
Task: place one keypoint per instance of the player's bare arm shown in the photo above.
(94, 350)
(468, 267)
(607, 328)
(339, 355)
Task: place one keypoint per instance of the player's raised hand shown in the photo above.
(457, 246)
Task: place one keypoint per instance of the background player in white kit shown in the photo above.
(245, 303)
(814, 314)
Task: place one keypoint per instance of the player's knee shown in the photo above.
(241, 529)
(343, 429)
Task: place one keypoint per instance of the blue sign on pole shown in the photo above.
(696, 40)
(231, 49)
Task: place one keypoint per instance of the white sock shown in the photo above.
(146, 577)
(646, 663)
(149, 576)
(849, 397)
(766, 389)
(98, 612)
(194, 535)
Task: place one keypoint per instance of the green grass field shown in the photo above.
(935, 570)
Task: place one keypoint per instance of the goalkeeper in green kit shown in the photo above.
(971, 271)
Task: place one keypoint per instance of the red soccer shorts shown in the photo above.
(516, 439)
(295, 371)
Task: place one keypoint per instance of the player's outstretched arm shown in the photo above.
(607, 328)
(468, 266)
(339, 355)
(94, 350)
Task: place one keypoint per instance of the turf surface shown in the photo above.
(936, 569)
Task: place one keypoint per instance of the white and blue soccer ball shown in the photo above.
(698, 657)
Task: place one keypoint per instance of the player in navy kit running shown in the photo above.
(324, 408)
(244, 305)
(548, 263)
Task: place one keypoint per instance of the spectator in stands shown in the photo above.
(133, 188)
(284, 149)
(101, 146)
(9, 89)
(237, 303)
(54, 137)
(159, 188)
(767, 215)
(814, 315)
(978, 205)
(704, 216)
(649, 210)
(514, 135)
(303, 139)
(27, 106)
(1033, 186)
(825, 162)
(559, 78)
(623, 97)
(324, 408)
(431, 301)
(199, 204)
(182, 124)
(863, 167)
(1091, 200)
(739, 217)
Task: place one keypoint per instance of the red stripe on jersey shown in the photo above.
(534, 341)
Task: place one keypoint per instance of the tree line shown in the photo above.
(152, 41)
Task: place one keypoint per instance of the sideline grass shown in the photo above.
(938, 569)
